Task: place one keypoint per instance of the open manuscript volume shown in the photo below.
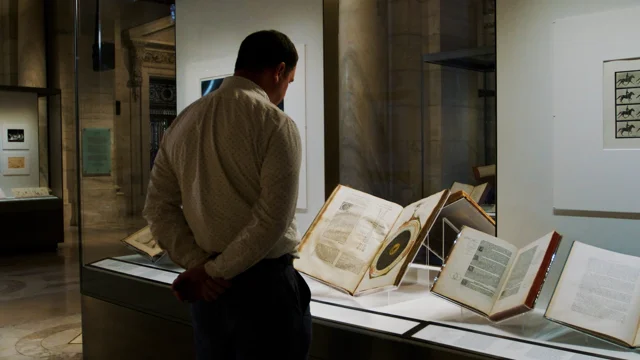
(492, 277)
(459, 210)
(477, 193)
(144, 244)
(360, 244)
(598, 293)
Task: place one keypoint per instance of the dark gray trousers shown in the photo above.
(264, 315)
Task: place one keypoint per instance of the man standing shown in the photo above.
(221, 201)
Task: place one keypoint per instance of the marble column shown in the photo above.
(432, 115)
(32, 69)
(454, 128)
(405, 89)
(31, 44)
(8, 42)
(60, 34)
(364, 82)
(462, 110)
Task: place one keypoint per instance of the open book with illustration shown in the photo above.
(492, 277)
(599, 293)
(359, 243)
(459, 210)
(144, 244)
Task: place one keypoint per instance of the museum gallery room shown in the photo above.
(466, 184)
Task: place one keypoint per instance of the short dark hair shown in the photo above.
(266, 49)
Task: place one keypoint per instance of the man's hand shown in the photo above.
(195, 284)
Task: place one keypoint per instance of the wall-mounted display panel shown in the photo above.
(595, 108)
(96, 152)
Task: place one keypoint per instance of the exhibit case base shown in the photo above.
(128, 306)
(17, 219)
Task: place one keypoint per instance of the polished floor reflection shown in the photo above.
(40, 305)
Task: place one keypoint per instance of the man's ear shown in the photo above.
(280, 72)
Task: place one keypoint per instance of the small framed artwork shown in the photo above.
(14, 137)
(15, 163)
(621, 104)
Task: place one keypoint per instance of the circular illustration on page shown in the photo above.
(393, 251)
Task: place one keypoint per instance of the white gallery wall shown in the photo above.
(19, 112)
(525, 88)
(208, 36)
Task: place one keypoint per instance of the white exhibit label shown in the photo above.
(165, 277)
(494, 346)
(362, 318)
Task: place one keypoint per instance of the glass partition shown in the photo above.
(126, 93)
(417, 100)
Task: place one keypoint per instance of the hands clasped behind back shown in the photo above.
(195, 284)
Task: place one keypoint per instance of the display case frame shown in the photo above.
(41, 205)
(406, 322)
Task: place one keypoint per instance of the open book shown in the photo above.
(492, 277)
(144, 244)
(599, 293)
(359, 243)
(477, 193)
(460, 210)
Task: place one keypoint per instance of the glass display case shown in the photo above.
(31, 190)
(415, 115)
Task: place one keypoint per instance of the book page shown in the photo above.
(144, 241)
(341, 243)
(459, 211)
(402, 243)
(598, 291)
(522, 274)
(478, 192)
(460, 186)
(476, 269)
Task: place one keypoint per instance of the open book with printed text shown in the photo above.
(599, 293)
(359, 243)
(493, 277)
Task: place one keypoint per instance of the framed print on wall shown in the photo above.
(15, 163)
(596, 102)
(14, 137)
(621, 104)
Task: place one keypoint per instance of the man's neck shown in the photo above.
(258, 79)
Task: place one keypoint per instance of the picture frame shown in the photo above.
(621, 104)
(15, 137)
(16, 163)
